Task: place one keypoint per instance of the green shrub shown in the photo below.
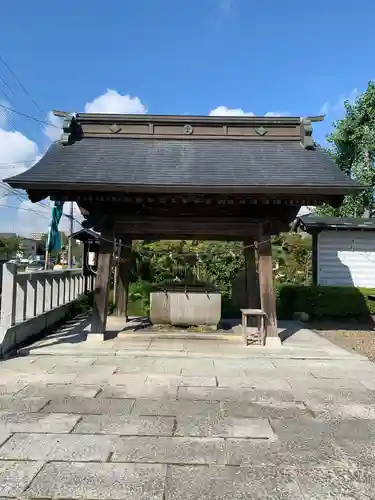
(82, 305)
(139, 298)
(325, 301)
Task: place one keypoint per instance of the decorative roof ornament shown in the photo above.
(188, 129)
(115, 128)
(261, 131)
(306, 134)
(72, 130)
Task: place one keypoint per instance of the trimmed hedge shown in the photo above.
(325, 301)
(317, 301)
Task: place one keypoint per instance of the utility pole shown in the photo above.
(70, 259)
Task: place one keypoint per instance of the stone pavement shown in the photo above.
(144, 417)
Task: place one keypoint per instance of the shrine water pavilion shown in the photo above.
(187, 177)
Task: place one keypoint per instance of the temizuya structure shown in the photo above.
(187, 177)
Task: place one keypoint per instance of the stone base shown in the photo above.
(95, 337)
(273, 342)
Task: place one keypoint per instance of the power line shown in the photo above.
(10, 118)
(21, 84)
(29, 116)
(7, 86)
(15, 162)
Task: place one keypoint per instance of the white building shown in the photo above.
(343, 251)
(28, 248)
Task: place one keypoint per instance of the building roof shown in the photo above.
(173, 154)
(311, 223)
(86, 235)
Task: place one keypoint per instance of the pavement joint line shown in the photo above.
(100, 390)
(42, 408)
(34, 477)
(7, 439)
(75, 425)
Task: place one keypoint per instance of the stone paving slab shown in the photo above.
(307, 383)
(139, 390)
(332, 396)
(80, 405)
(232, 394)
(120, 379)
(327, 412)
(20, 403)
(172, 450)
(15, 476)
(220, 426)
(51, 391)
(60, 447)
(334, 483)
(187, 419)
(368, 383)
(313, 451)
(11, 389)
(262, 382)
(99, 481)
(169, 407)
(120, 424)
(37, 422)
(359, 453)
(226, 483)
(197, 381)
(265, 409)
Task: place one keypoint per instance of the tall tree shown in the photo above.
(9, 246)
(353, 148)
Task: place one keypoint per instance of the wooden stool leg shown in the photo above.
(262, 330)
(244, 328)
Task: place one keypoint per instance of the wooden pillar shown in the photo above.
(251, 276)
(85, 268)
(100, 304)
(266, 287)
(123, 279)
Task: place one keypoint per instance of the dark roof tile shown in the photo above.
(314, 222)
(193, 162)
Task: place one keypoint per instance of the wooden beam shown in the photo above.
(100, 304)
(123, 278)
(173, 227)
(251, 276)
(267, 291)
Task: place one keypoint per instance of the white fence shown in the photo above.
(27, 297)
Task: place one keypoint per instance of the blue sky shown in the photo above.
(179, 56)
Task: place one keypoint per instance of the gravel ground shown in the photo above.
(351, 336)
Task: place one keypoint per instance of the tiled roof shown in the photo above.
(313, 222)
(125, 163)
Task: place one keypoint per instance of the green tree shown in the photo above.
(292, 256)
(9, 246)
(353, 149)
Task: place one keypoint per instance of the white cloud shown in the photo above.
(224, 111)
(113, 102)
(54, 130)
(337, 107)
(18, 153)
(276, 113)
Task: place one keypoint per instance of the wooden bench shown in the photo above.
(260, 315)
